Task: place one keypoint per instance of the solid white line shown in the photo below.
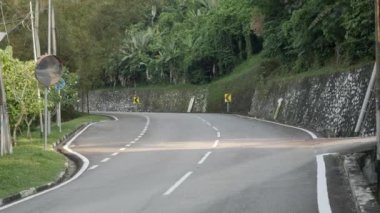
(105, 160)
(177, 184)
(114, 154)
(322, 191)
(114, 117)
(216, 129)
(93, 167)
(312, 135)
(204, 158)
(122, 149)
(76, 176)
(218, 134)
(216, 144)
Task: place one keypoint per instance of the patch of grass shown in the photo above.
(30, 165)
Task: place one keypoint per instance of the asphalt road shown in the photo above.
(211, 163)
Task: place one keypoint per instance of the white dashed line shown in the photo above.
(216, 129)
(122, 149)
(128, 145)
(216, 144)
(218, 134)
(204, 158)
(93, 167)
(105, 160)
(177, 184)
(208, 123)
(114, 154)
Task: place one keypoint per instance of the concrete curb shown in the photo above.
(364, 199)
(61, 177)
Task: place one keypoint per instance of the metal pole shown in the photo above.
(33, 32)
(46, 119)
(228, 107)
(55, 53)
(5, 26)
(377, 26)
(49, 28)
(366, 100)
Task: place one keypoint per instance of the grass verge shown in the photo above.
(30, 165)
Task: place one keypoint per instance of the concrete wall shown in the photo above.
(151, 100)
(329, 104)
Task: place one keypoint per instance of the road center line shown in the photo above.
(204, 158)
(322, 191)
(216, 144)
(105, 160)
(114, 154)
(177, 184)
(93, 167)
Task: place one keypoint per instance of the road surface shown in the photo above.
(211, 163)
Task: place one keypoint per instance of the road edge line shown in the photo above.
(310, 133)
(322, 188)
(84, 167)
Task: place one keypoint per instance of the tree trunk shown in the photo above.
(17, 125)
(88, 102)
(248, 44)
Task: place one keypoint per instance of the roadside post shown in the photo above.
(49, 70)
(228, 100)
(377, 34)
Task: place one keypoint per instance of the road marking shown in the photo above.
(128, 145)
(114, 154)
(322, 191)
(216, 129)
(105, 160)
(177, 184)
(208, 123)
(122, 149)
(218, 134)
(312, 135)
(204, 158)
(114, 117)
(132, 142)
(82, 169)
(216, 144)
(142, 134)
(93, 167)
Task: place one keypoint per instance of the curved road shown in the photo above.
(208, 163)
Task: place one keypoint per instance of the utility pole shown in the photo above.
(59, 120)
(377, 22)
(46, 88)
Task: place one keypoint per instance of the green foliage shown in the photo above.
(187, 41)
(314, 32)
(21, 89)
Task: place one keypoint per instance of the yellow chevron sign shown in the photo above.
(136, 100)
(228, 98)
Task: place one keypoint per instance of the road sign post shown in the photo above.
(49, 70)
(228, 100)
